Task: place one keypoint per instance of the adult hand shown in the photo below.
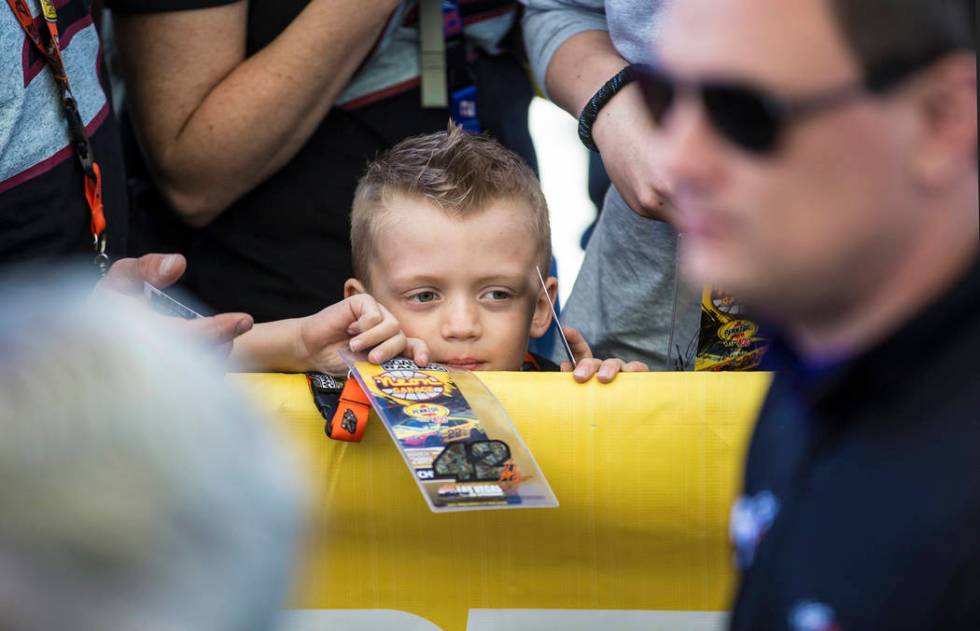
(126, 278)
(624, 130)
(626, 136)
(588, 365)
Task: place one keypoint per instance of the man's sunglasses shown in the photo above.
(752, 118)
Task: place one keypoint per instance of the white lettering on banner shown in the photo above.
(352, 620)
(496, 619)
(591, 619)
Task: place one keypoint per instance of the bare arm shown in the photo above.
(624, 130)
(579, 68)
(358, 323)
(213, 123)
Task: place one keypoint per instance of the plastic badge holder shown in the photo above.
(460, 445)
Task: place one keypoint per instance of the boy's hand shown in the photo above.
(588, 365)
(359, 323)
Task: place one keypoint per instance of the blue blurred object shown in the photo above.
(599, 184)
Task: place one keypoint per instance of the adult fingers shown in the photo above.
(217, 330)
(161, 270)
(126, 276)
(123, 277)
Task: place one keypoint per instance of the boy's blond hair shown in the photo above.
(455, 171)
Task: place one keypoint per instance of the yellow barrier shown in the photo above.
(645, 470)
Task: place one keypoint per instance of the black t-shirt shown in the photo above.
(862, 490)
(43, 212)
(283, 249)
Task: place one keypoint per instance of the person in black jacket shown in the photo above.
(822, 159)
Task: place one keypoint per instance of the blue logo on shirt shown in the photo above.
(752, 517)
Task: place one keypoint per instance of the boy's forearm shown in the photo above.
(271, 347)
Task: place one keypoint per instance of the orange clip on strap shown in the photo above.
(93, 195)
(351, 417)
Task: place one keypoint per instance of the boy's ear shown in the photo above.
(542, 308)
(352, 287)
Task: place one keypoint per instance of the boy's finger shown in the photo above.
(608, 370)
(585, 369)
(636, 367)
(417, 351)
(377, 324)
(392, 347)
(366, 311)
(580, 348)
(374, 336)
(566, 367)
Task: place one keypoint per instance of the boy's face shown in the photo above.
(466, 286)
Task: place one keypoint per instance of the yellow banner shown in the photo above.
(645, 471)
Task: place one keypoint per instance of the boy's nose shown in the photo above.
(462, 321)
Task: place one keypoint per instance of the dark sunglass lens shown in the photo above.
(658, 91)
(743, 116)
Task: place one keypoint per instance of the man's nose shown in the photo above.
(689, 149)
(462, 320)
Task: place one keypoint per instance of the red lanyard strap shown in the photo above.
(82, 146)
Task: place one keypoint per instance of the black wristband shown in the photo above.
(591, 110)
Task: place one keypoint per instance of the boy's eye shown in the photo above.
(423, 296)
(497, 294)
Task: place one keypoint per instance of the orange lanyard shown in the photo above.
(80, 142)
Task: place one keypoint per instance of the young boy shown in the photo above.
(448, 231)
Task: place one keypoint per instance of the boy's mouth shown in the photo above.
(464, 363)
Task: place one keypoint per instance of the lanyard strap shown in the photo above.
(435, 88)
(51, 53)
(446, 77)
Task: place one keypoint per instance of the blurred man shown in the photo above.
(822, 160)
(138, 492)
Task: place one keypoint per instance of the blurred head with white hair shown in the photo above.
(137, 490)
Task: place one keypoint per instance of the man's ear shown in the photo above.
(352, 287)
(947, 109)
(542, 308)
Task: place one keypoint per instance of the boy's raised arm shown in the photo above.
(358, 323)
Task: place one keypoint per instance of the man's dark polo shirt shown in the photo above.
(861, 509)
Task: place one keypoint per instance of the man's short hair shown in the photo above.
(137, 489)
(456, 171)
(904, 31)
